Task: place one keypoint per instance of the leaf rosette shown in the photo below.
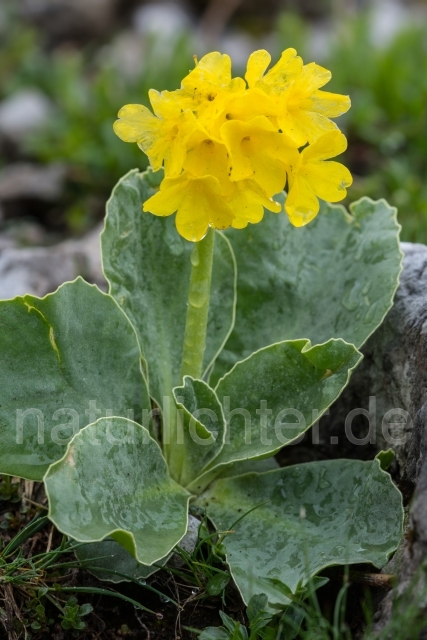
(157, 418)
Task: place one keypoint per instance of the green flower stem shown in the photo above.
(194, 345)
(198, 306)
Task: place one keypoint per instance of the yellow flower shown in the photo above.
(197, 201)
(163, 136)
(304, 111)
(257, 150)
(315, 177)
(208, 86)
(278, 77)
(227, 147)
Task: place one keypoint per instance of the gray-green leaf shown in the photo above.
(276, 394)
(108, 560)
(334, 278)
(65, 360)
(147, 265)
(113, 482)
(304, 518)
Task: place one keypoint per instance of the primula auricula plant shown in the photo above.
(218, 343)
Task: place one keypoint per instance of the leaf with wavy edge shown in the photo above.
(334, 278)
(291, 523)
(147, 264)
(109, 561)
(278, 393)
(113, 482)
(65, 360)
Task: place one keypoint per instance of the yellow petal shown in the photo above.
(217, 64)
(174, 156)
(257, 65)
(311, 78)
(174, 142)
(198, 204)
(301, 204)
(165, 103)
(213, 70)
(312, 125)
(202, 206)
(327, 146)
(246, 106)
(285, 70)
(156, 141)
(328, 104)
(208, 157)
(257, 194)
(329, 180)
(257, 150)
(167, 200)
(134, 120)
(232, 133)
(270, 172)
(248, 202)
(295, 130)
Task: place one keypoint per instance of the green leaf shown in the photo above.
(214, 633)
(278, 393)
(308, 517)
(386, 458)
(85, 609)
(109, 561)
(203, 427)
(256, 607)
(147, 265)
(257, 615)
(216, 585)
(236, 630)
(334, 278)
(65, 360)
(113, 482)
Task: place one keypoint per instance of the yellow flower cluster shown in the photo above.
(228, 146)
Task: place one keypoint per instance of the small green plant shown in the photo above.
(37, 584)
(259, 619)
(72, 615)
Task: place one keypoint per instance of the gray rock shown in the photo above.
(26, 233)
(188, 543)
(25, 180)
(41, 270)
(393, 376)
(23, 113)
(165, 19)
(126, 54)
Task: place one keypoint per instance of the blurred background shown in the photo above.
(67, 66)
